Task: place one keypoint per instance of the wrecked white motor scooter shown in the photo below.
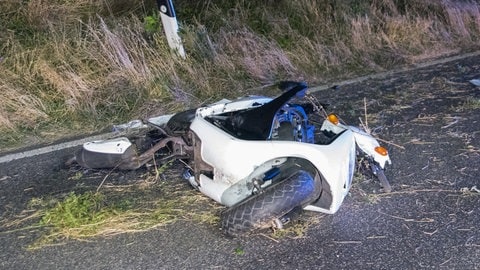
(260, 157)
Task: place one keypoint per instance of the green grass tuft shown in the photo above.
(76, 210)
(118, 210)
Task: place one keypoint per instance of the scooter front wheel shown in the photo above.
(261, 210)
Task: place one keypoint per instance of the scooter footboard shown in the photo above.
(113, 153)
(98, 160)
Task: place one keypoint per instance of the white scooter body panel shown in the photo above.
(332, 161)
(366, 142)
(226, 105)
(112, 146)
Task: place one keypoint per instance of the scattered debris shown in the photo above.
(134, 124)
(455, 120)
(347, 242)
(469, 190)
(475, 82)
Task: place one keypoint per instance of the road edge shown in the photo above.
(75, 143)
(393, 72)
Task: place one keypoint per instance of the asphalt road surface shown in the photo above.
(431, 117)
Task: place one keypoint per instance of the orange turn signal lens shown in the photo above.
(333, 118)
(381, 150)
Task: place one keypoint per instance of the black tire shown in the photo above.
(260, 211)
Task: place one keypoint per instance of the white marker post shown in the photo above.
(170, 25)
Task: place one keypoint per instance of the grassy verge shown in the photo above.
(115, 210)
(70, 67)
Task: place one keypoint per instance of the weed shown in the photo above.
(76, 211)
(77, 176)
(119, 210)
(164, 167)
(152, 24)
(239, 251)
(469, 104)
(298, 228)
(371, 198)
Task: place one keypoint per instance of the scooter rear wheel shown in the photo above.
(261, 210)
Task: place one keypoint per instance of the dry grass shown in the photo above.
(469, 104)
(115, 210)
(298, 228)
(83, 65)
